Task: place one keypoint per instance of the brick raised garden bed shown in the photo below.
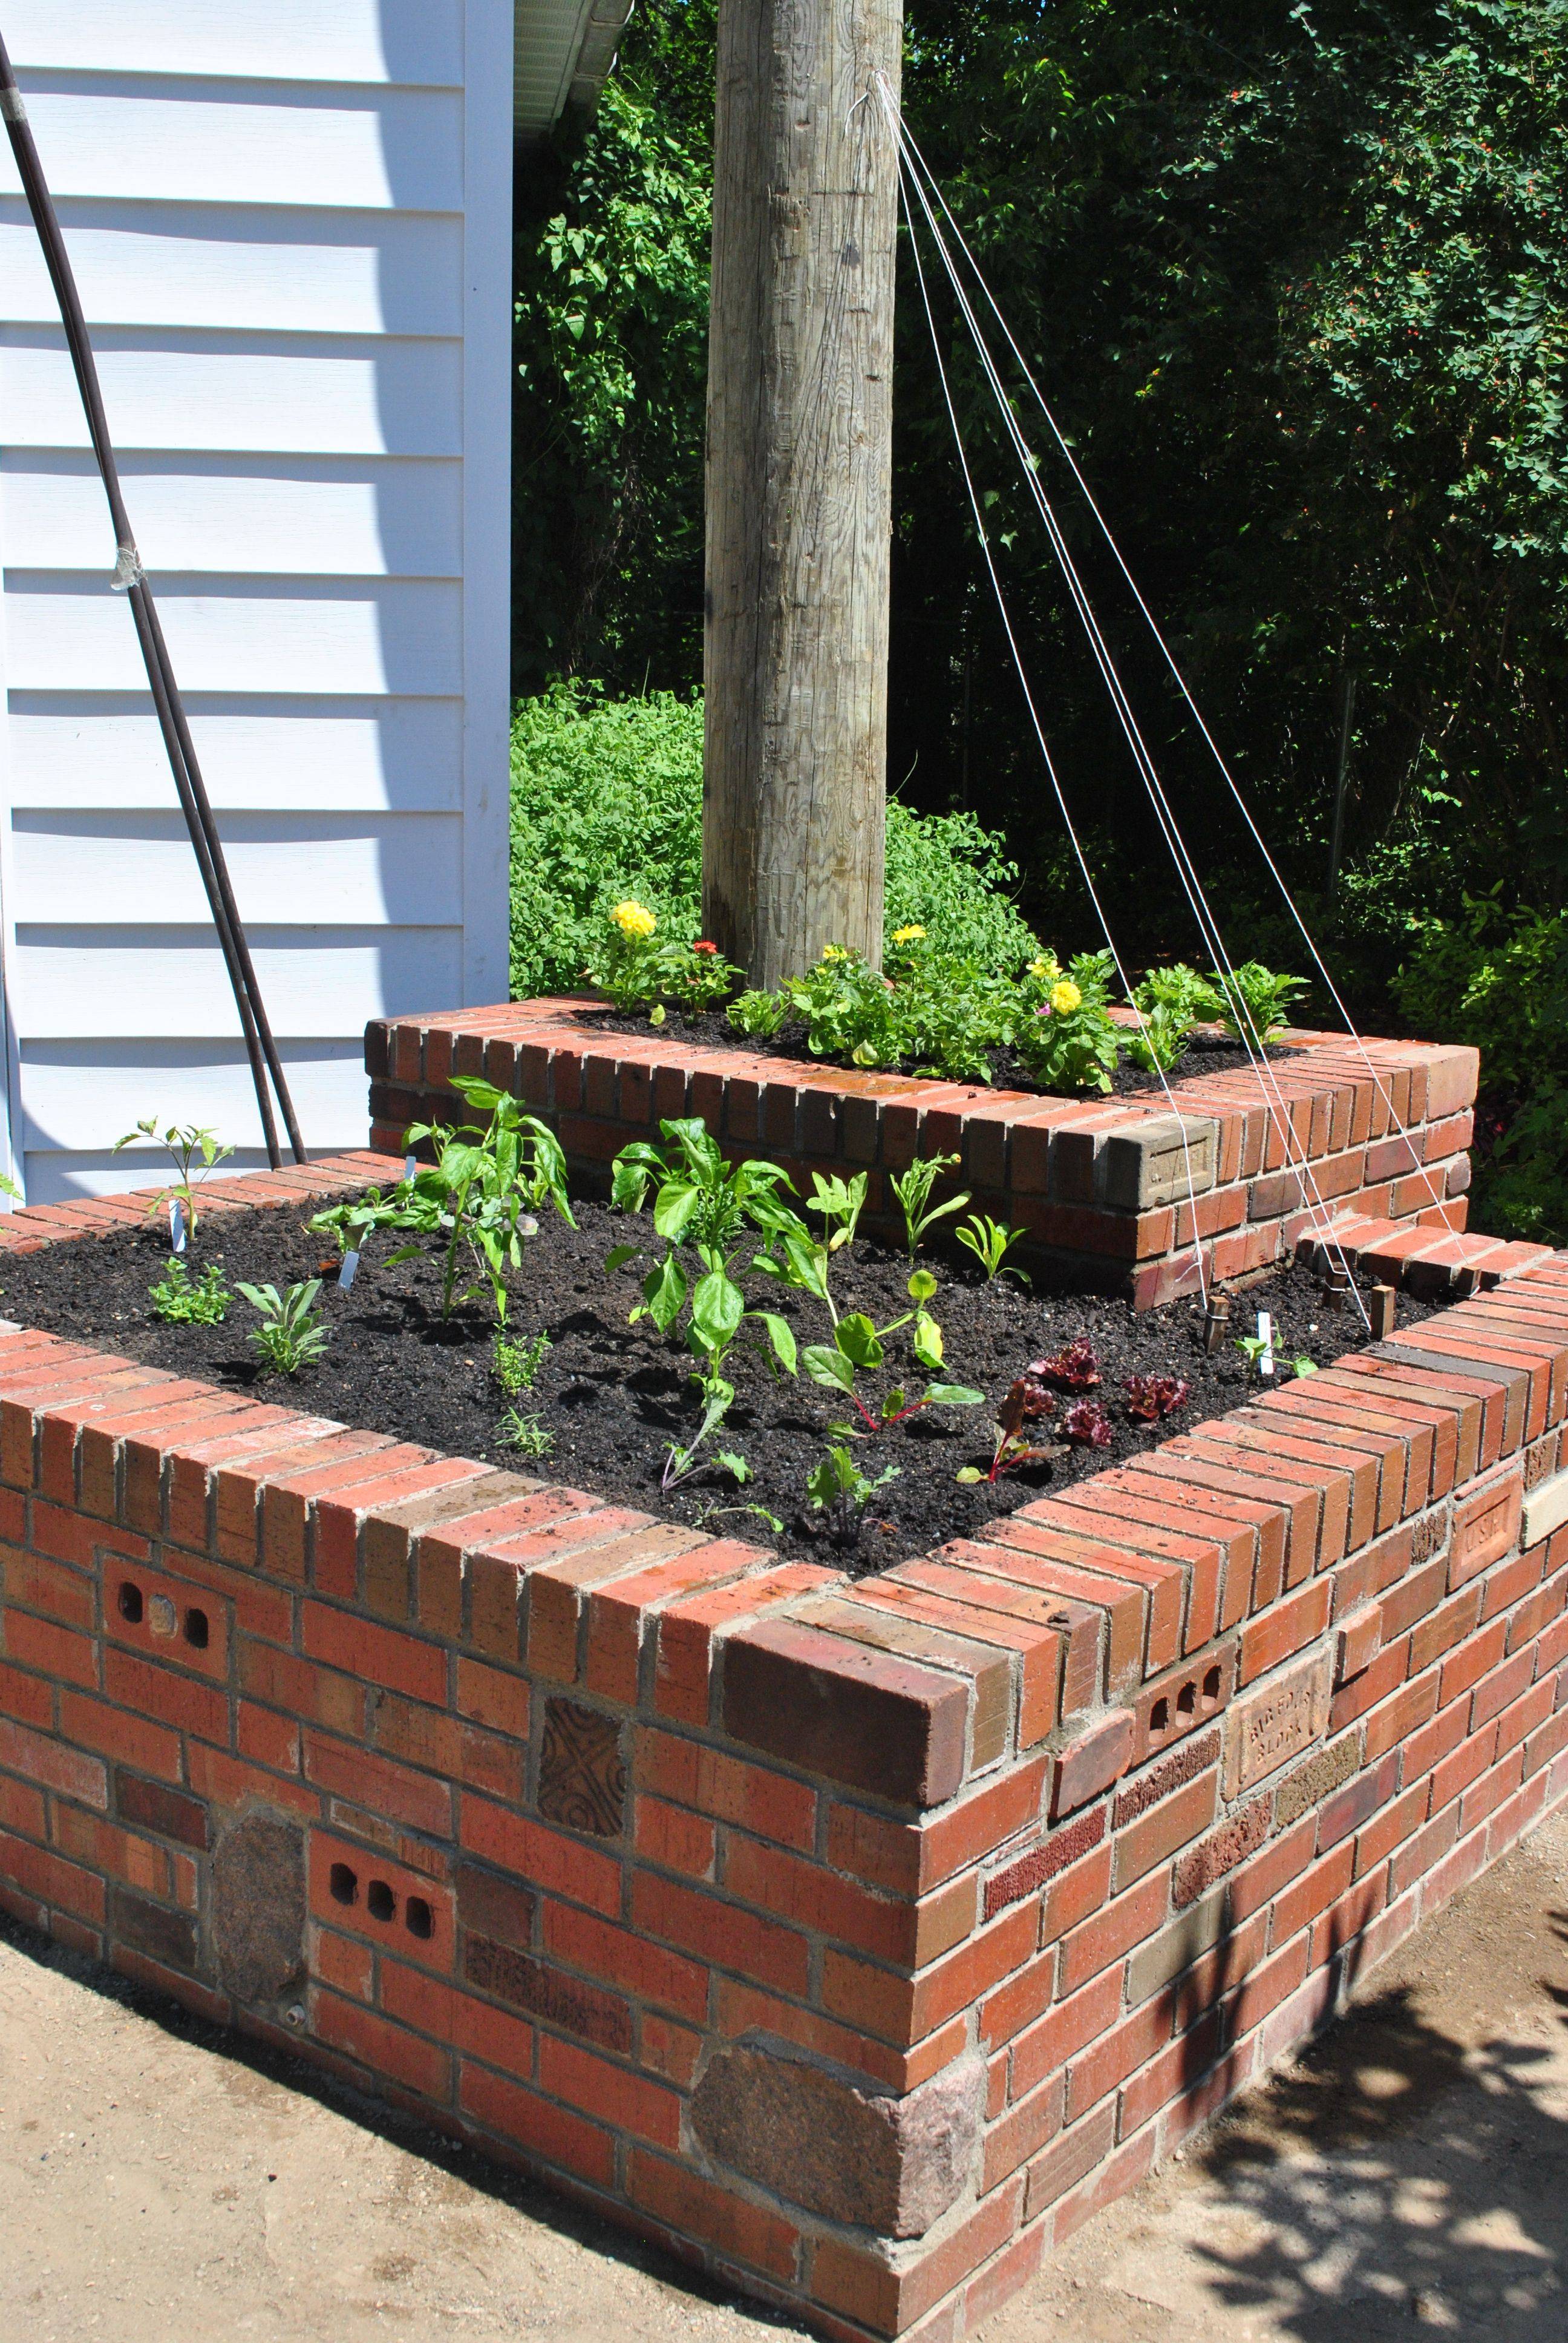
(858, 1942)
(1101, 1186)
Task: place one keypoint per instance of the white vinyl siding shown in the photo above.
(291, 230)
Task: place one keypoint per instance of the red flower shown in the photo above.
(705, 947)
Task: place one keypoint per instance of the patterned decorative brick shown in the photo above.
(582, 1770)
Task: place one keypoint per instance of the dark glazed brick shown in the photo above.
(582, 1771)
(494, 1904)
(1241, 1835)
(1042, 1863)
(155, 1807)
(860, 1716)
(167, 1937)
(543, 1992)
(1185, 1763)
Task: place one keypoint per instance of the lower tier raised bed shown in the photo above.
(1106, 1190)
(856, 1940)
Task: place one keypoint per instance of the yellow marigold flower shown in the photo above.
(1042, 968)
(1065, 997)
(634, 918)
(834, 952)
(909, 935)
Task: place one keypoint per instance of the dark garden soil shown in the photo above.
(1206, 1052)
(612, 1397)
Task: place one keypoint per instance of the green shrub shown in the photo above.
(1499, 980)
(607, 803)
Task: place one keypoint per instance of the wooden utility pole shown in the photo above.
(800, 447)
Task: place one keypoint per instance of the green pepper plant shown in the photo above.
(482, 1189)
(701, 1206)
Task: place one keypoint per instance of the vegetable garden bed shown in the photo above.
(857, 1938)
(608, 1402)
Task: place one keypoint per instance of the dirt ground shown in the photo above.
(162, 2184)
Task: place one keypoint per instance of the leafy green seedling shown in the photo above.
(1303, 1366)
(184, 1301)
(680, 1464)
(291, 1334)
(515, 1365)
(524, 1434)
(856, 1348)
(188, 1145)
(1255, 1348)
(840, 1202)
(759, 1015)
(839, 1488)
(913, 1189)
(991, 1241)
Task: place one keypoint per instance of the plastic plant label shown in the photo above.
(176, 1225)
(410, 1165)
(1266, 1336)
(347, 1275)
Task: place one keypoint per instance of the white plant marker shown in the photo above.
(1266, 1336)
(176, 1225)
(410, 1165)
(345, 1275)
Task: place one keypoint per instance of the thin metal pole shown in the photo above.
(129, 577)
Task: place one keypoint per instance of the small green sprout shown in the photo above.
(292, 1334)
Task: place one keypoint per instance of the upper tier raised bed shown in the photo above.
(1101, 1187)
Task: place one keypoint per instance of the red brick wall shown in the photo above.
(1100, 1185)
(624, 1851)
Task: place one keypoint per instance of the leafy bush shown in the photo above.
(1499, 980)
(607, 804)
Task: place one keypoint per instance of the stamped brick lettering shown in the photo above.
(1276, 1723)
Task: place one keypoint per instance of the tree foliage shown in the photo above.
(1294, 275)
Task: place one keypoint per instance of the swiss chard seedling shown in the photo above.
(838, 1488)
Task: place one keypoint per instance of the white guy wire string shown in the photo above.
(1208, 926)
(1044, 751)
(1166, 652)
(1197, 898)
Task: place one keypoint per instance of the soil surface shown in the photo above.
(609, 1398)
(165, 2183)
(1205, 1053)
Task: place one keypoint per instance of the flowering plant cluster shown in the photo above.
(637, 968)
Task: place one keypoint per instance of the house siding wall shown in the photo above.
(291, 229)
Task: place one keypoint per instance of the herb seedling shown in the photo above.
(1028, 1401)
(515, 1365)
(524, 1433)
(1150, 1397)
(184, 1301)
(189, 1146)
(1086, 1424)
(291, 1334)
(991, 1241)
(838, 1488)
(481, 1189)
(913, 1189)
(1303, 1366)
